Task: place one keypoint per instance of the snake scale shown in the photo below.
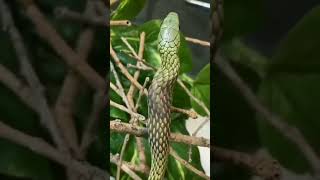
(160, 95)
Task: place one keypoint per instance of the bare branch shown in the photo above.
(124, 166)
(71, 85)
(119, 127)
(125, 109)
(120, 23)
(200, 103)
(89, 132)
(197, 41)
(27, 71)
(187, 165)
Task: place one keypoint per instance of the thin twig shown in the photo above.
(140, 94)
(140, 67)
(120, 23)
(114, 88)
(142, 36)
(125, 109)
(197, 41)
(18, 87)
(124, 70)
(187, 165)
(27, 71)
(124, 145)
(89, 132)
(191, 113)
(143, 63)
(133, 167)
(115, 160)
(120, 87)
(200, 103)
(201, 126)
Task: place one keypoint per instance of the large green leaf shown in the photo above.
(296, 98)
(128, 9)
(201, 90)
(292, 90)
(299, 50)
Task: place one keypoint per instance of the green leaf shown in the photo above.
(180, 99)
(296, 99)
(201, 90)
(128, 9)
(299, 50)
(239, 52)
(184, 55)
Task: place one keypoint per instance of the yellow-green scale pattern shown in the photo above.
(160, 95)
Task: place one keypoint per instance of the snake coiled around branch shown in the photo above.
(160, 95)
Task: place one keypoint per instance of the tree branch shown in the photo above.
(120, 127)
(27, 71)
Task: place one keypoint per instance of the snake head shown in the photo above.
(169, 37)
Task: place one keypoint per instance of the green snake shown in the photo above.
(160, 95)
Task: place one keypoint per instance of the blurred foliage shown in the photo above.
(292, 89)
(242, 17)
(287, 83)
(17, 162)
(200, 88)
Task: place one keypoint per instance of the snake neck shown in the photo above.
(168, 71)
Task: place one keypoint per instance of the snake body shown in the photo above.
(160, 95)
